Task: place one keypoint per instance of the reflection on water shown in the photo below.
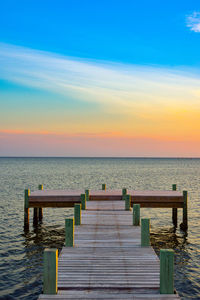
(22, 252)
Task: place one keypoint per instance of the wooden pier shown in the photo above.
(68, 198)
(107, 257)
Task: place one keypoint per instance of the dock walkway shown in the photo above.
(107, 260)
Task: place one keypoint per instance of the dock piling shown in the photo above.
(40, 187)
(166, 271)
(87, 195)
(77, 213)
(50, 271)
(174, 210)
(69, 232)
(83, 201)
(184, 225)
(26, 208)
(145, 232)
(35, 216)
(127, 202)
(136, 214)
(124, 193)
(103, 186)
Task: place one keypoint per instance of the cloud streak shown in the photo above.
(126, 86)
(193, 21)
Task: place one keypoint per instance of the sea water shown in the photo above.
(21, 254)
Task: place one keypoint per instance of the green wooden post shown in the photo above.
(40, 187)
(166, 271)
(145, 232)
(83, 201)
(174, 187)
(26, 207)
(87, 195)
(174, 210)
(50, 271)
(77, 213)
(69, 232)
(103, 186)
(184, 225)
(127, 202)
(124, 193)
(136, 214)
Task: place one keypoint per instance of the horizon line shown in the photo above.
(141, 157)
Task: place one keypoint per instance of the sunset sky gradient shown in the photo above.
(89, 78)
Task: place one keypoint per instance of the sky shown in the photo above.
(100, 78)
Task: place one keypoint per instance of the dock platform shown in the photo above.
(107, 260)
(67, 198)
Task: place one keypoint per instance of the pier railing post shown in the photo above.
(26, 208)
(184, 225)
(77, 213)
(103, 186)
(69, 232)
(87, 195)
(124, 193)
(166, 271)
(83, 201)
(145, 232)
(40, 187)
(127, 202)
(136, 214)
(174, 209)
(50, 271)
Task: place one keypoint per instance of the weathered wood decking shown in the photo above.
(67, 198)
(107, 260)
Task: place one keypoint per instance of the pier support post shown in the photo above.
(50, 271)
(35, 216)
(184, 225)
(40, 187)
(127, 202)
(124, 193)
(77, 213)
(26, 208)
(103, 186)
(83, 201)
(166, 271)
(136, 214)
(174, 210)
(69, 232)
(145, 232)
(87, 195)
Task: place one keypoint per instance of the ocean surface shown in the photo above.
(21, 253)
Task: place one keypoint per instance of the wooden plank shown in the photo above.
(111, 294)
(52, 203)
(107, 260)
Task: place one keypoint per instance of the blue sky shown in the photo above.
(138, 32)
(100, 78)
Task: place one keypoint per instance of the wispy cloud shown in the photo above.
(125, 86)
(145, 108)
(193, 21)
